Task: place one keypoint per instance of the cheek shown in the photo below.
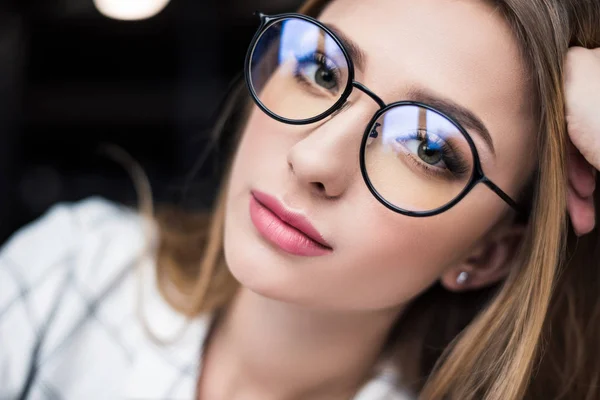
(395, 258)
(387, 259)
(257, 141)
(261, 154)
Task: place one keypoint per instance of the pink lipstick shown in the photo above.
(288, 230)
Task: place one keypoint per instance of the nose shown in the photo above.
(326, 160)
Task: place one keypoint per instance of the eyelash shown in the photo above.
(456, 166)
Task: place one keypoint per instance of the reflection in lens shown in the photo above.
(417, 159)
(297, 70)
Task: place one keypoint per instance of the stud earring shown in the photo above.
(462, 278)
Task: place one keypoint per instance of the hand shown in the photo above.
(582, 90)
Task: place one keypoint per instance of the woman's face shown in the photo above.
(461, 51)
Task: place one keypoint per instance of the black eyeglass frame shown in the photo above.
(477, 175)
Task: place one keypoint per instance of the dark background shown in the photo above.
(72, 79)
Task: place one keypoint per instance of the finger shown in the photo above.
(582, 176)
(582, 213)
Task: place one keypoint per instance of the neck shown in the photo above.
(281, 351)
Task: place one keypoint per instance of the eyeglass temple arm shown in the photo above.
(502, 194)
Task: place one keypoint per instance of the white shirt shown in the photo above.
(69, 296)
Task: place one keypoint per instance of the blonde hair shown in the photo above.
(535, 336)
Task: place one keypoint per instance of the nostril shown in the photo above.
(319, 186)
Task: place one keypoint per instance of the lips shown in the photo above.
(288, 230)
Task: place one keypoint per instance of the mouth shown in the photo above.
(288, 230)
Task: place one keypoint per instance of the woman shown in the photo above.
(392, 226)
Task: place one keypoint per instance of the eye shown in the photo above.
(428, 151)
(315, 69)
(434, 154)
(321, 76)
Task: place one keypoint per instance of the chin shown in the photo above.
(257, 267)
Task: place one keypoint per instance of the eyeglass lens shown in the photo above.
(416, 159)
(297, 70)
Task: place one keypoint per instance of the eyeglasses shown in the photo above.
(415, 159)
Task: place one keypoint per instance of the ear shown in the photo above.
(489, 262)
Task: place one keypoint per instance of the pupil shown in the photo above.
(429, 155)
(325, 78)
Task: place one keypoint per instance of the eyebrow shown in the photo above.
(357, 54)
(462, 115)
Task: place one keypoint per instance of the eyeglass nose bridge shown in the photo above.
(369, 93)
(363, 89)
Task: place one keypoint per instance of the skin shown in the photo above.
(583, 121)
(313, 309)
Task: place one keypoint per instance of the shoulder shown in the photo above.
(53, 267)
(90, 244)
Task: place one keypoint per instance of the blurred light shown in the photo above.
(130, 10)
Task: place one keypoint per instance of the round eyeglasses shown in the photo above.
(414, 158)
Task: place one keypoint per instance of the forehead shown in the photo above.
(461, 49)
(447, 34)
